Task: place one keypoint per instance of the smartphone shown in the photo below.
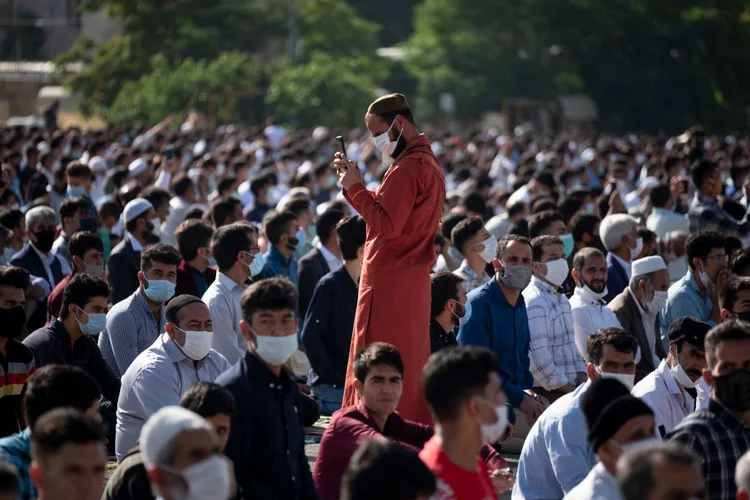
(342, 145)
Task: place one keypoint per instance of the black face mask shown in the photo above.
(744, 316)
(733, 390)
(292, 242)
(13, 321)
(2, 183)
(44, 239)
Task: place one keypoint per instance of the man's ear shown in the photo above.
(35, 472)
(538, 268)
(707, 376)
(245, 329)
(725, 314)
(496, 265)
(574, 274)
(591, 371)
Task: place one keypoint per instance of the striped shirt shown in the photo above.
(131, 329)
(15, 369)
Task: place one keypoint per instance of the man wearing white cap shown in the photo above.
(125, 259)
(142, 172)
(183, 458)
(637, 309)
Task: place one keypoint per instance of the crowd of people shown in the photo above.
(185, 301)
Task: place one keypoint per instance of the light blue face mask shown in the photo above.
(462, 320)
(74, 191)
(568, 244)
(257, 264)
(212, 262)
(159, 290)
(8, 253)
(301, 238)
(95, 324)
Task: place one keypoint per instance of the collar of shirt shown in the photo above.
(174, 352)
(371, 422)
(498, 296)
(140, 301)
(327, 255)
(669, 380)
(228, 282)
(47, 260)
(137, 247)
(586, 297)
(544, 287)
(258, 372)
(625, 265)
(275, 254)
(469, 272)
(692, 285)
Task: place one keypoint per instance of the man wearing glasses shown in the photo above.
(697, 294)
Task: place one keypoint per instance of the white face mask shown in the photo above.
(492, 433)
(490, 248)
(705, 280)
(681, 377)
(384, 144)
(275, 350)
(635, 252)
(557, 271)
(624, 378)
(657, 303)
(157, 226)
(593, 294)
(197, 343)
(209, 478)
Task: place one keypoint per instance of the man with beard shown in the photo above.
(449, 309)
(125, 259)
(402, 218)
(587, 303)
(676, 388)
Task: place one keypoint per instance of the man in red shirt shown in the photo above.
(468, 404)
(379, 373)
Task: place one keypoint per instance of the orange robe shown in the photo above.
(393, 306)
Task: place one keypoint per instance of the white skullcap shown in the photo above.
(163, 427)
(648, 265)
(137, 167)
(135, 209)
(98, 164)
(649, 182)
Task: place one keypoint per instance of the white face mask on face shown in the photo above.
(657, 303)
(635, 252)
(209, 478)
(275, 350)
(624, 378)
(557, 271)
(197, 343)
(492, 433)
(490, 248)
(383, 142)
(678, 372)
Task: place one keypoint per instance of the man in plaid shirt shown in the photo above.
(705, 213)
(720, 434)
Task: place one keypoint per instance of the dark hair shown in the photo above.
(539, 243)
(660, 195)
(636, 470)
(56, 386)
(227, 242)
(454, 375)
(156, 196)
(474, 202)
(298, 206)
(351, 233)
(618, 338)
(194, 213)
(519, 227)
(70, 207)
(83, 241)
(383, 469)
(545, 179)
(222, 209)
(505, 241)
(582, 224)
(80, 290)
(110, 208)
(465, 231)
(450, 222)
(161, 253)
(579, 259)
(77, 169)
(728, 293)
(16, 277)
(181, 183)
(741, 261)
(327, 223)
(208, 399)
(275, 225)
(444, 288)
(391, 116)
(700, 171)
(62, 426)
(258, 183)
(377, 353)
(518, 207)
(191, 235)
(732, 245)
(724, 332)
(700, 244)
(177, 304)
(274, 294)
(541, 221)
(543, 204)
(9, 482)
(569, 207)
(11, 218)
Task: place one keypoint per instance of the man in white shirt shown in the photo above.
(663, 218)
(619, 235)
(554, 360)
(587, 305)
(235, 248)
(541, 184)
(184, 190)
(676, 388)
(615, 419)
(478, 247)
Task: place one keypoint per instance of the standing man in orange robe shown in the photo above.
(402, 218)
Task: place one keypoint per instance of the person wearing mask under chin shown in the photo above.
(160, 375)
(267, 442)
(617, 423)
(283, 233)
(478, 248)
(638, 307)
(555, 363)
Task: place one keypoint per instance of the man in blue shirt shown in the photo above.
(697, 294)
(281, 230)
(499, 322)
(556, 455)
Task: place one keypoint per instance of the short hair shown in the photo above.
(454, 375)
(9, 482)
(579, 260)
(660, 195)
(383, 469)
(16, 277)
(181, 183)
(227, 242)
(11, 218)
(539, 243)
(275, 225)
(71, 206)
(519, 227)
(78, 170)
(274, 294)
(156, 196)
(742, 473)
(62, 426)
(506, 240)
(208, 399)
(110, 208)
(56, 386)
(741, 260)
(194, 213)
(191, 235)
(700, 170)
(40, 213)
(377, 353)
(728, 331)
(700, 244)
(614, 227)
(161, 253)
(647, 235)
(465, 231)
(636, 469)
(258, 183)
(83, 241)
(541, 221)
(569, 208)
(618, 338)
(297, 206)
(351, 233)
(391, 116)
(326, 223)
(80, 290)
(444, 288)
(449, 222)
(543, 204)
(221, 209)
(729, 292)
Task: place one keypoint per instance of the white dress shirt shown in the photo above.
(663, 221)
(47, 260)
(332, 261)
(589, 315)
(649, 320)
(598, 485)
(177, 209)
(521, 194)
(223, 301)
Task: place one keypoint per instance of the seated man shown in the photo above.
(135, 323)
(324, 258)
(448, 309)
(327, 333)
(210, 401)
(282, 230)
(87, 256)
(50, 387)
(379, 372)
(556, 456)
(9, 483)
(661, 471)
(194, 274)
(161, 374)
(734, 300)
(478, 247)
(70, 219)
(619, 235)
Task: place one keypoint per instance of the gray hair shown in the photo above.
(37, 214)
(614, 227)
(635, 469)
(742, 473)
(633, 284)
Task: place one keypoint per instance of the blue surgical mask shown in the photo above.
(159, 290)
(212, 262)
(568, 244)
(74, 191)
(95, 325)
(301, 238)
(462, 320)
(256, 266)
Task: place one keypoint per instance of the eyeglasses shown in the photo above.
(253, 250)
(717, 258)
